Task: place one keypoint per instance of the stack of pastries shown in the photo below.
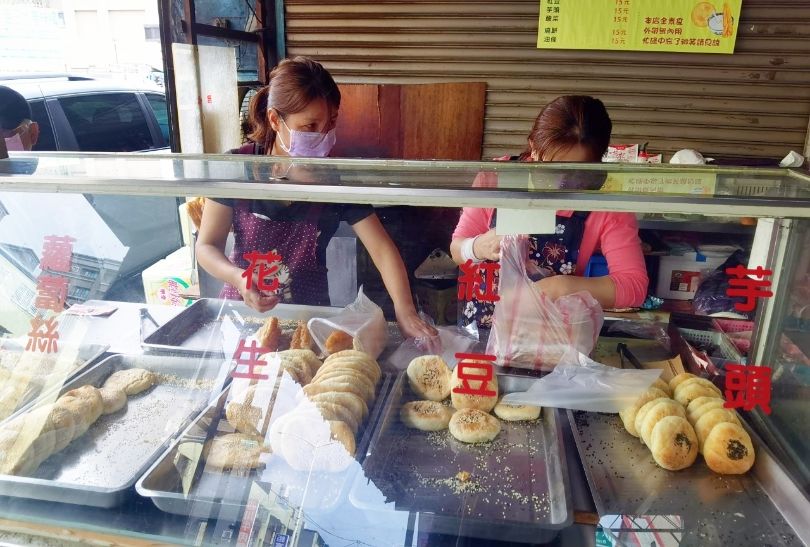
(686, 417)
(32, 437)
(334, 403)
(468, 419)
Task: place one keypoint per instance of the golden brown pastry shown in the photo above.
(235, 451)
(338, 341)
(131, 380)
(728, 449)
(694, 404)
(700, 381)
(673, 443)
(334, 412)
(307, 356)
(425, 415)
(709, 420)
(470, 425)
(84, 404)
(269, 334)
(429, 377)
(677, 379)
(301, 338)
(516, 413)
(353, 359)
(642, 412)
(356, 405)
(696, 413)
(466, 400)
(628, 415)
(686, 393)
(343, 434)
(338, 385)
(242, 415)
(113, 399)
(659, 410)
(663, 386)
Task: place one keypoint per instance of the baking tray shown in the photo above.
(100, 467)
(520, 490)
(716, 509)
(217, 494)
(197, 329)
(88, 354)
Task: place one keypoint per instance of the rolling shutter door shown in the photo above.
(755, 103)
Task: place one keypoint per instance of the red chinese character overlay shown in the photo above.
(51, 292)
(473, 277)
(56, 253)
(748, 387)
(264, 265)
(254, 350)
(43, 335)
(474, 362)
(751, 289)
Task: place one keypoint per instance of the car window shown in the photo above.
(46, 140)
(108, 122)
(158, 103)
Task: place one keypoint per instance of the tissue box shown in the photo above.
(166, 280)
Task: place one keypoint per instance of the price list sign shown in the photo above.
(639, 25)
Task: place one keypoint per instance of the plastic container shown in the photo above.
(678, 276)
(165, 281)
(597, 266)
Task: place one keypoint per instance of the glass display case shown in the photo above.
(127, 413)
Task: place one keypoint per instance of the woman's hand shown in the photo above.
(253, 297)
(488, 246)
(412, 326)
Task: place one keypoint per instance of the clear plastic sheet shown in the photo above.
(448, 342)
(580, 383)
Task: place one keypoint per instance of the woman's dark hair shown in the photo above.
(13, 108)
(294, 83)
(569, 121)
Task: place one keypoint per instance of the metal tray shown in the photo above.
(197, 329)
(218, 494)
(519, 492)
(88, 354)
(100, 467)
(723, 509)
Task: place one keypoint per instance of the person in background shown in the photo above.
(295, 115)
(18, 131)
(569, 129)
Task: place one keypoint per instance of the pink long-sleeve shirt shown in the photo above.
(614, 234)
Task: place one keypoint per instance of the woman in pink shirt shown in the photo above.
(573, 129)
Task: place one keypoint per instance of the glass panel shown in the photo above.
(110, 122)
(652, 189)
(158, 103)
(46, 140)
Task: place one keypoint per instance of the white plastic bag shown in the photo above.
(362, 319)
(580, 383)
(448, 342)
(529, 329)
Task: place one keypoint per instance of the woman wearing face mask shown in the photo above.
(572, 129)
(295, 115)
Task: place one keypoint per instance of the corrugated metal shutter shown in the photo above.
(754, 103)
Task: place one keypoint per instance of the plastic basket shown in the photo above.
(733, 325)
(726, 348)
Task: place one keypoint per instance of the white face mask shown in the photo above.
(309, 144)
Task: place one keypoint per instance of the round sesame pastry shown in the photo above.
(474, 426)
(425, 415)
(429, 377)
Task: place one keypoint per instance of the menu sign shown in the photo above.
(688, 26)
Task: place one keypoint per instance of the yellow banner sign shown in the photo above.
(663, 183)
(641, 25)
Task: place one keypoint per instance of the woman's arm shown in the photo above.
(210, 248)
(601, 288)
(389, 263)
